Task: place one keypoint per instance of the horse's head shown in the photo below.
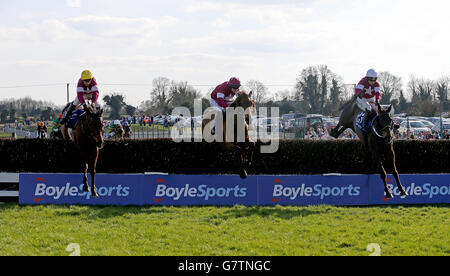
(244, 100)
(385, 122)
(94, 124)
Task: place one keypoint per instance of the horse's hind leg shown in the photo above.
(337, 131)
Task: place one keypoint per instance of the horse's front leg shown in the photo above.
(243, 173)
(383, 177)
(85, 178)
(93, 171)
(395, 173)
(239, 151)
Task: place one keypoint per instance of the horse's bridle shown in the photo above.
(386, 129)
(88, 130)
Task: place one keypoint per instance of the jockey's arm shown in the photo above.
(221, 101)
(95, 95)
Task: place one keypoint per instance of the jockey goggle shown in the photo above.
(235, 86)
(87, 81)
(371, 79)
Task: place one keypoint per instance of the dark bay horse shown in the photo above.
(88, 139)
(242, 107)
(378, 141)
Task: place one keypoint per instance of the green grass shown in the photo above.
(4, 134)
(239, 230)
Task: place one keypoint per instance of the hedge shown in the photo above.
(164, 155)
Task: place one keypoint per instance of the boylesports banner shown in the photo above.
(228, 190)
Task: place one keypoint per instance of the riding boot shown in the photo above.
(367, 118)
(69, 111)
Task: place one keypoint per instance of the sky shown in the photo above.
(207, 42)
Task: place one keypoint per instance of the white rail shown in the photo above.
(6, 179)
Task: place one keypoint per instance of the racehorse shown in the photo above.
(88, 139)
(118, 132)
(128, 132)
(244, 150)
(378, 140)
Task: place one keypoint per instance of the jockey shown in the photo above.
(222, 96)
(86, 90)
(57, 122)
(368, 94)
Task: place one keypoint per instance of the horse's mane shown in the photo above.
(347, 103)
(242, 94)
(91, 110)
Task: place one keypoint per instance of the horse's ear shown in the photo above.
(389, 109)
(250, 94)
(379, 107)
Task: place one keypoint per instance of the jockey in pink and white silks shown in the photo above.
(222, 96)
(87, 89)
(368, 94)
(368, 91)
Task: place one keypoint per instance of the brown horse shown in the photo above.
(88, 139)
(243, 149)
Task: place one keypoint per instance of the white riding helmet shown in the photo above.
(117, 122)
(372, 73)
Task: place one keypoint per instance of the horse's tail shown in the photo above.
(65, 108)
(347, 103)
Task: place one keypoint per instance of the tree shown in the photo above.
(12, 113)
(312, 88)
(442, 89)
(160, 96)
(46, 114)
(259, 90)
(115, 102)
(4, 115)
(335, 98)
(182, 94)
(130, 110)
(402, 103)
(391, 86)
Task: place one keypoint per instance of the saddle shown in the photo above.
(74, 118)
(361, 118)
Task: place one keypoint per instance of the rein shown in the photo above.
(85, 129)
(375, 130)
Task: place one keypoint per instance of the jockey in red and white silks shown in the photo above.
(222, 96)
(87, 89)
(368, 91)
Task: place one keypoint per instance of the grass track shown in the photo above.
(239, 230)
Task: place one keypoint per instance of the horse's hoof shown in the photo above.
(389, 195)
(94, 194)
(404, 193)
(243, 174)
(86, 188)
